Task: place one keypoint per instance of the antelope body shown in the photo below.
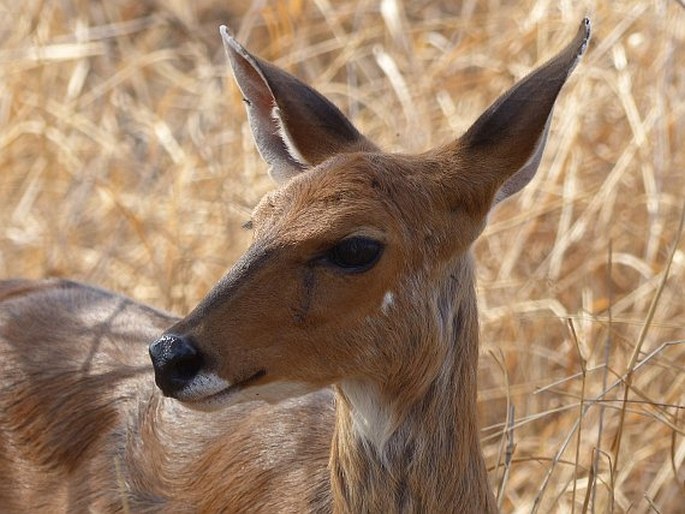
(352, 313)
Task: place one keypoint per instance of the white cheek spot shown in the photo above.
(388, 301)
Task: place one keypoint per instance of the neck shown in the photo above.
(415, 447)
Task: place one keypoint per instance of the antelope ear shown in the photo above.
(294, 126)
(506, 143)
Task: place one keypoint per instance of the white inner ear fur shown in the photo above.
(285, 136)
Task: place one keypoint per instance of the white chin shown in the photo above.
(220, 398)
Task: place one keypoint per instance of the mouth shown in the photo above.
(221, 398)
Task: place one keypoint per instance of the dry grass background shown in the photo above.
(125, 161)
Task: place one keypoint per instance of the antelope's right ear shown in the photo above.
(294, 126)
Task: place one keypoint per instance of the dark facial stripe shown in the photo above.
(307, 286)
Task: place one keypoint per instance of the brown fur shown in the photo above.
(83, 428)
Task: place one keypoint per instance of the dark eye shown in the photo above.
(354, 254)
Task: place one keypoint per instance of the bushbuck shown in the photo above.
(332, 369)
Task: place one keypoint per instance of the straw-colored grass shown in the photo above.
(125, 161)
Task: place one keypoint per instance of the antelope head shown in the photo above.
(353, 249)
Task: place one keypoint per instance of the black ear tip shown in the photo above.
(583, 37)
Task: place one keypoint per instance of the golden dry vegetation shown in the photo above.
(125, 161)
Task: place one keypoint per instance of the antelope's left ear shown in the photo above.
(505, 145)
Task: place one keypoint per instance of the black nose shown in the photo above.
(176, 363)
